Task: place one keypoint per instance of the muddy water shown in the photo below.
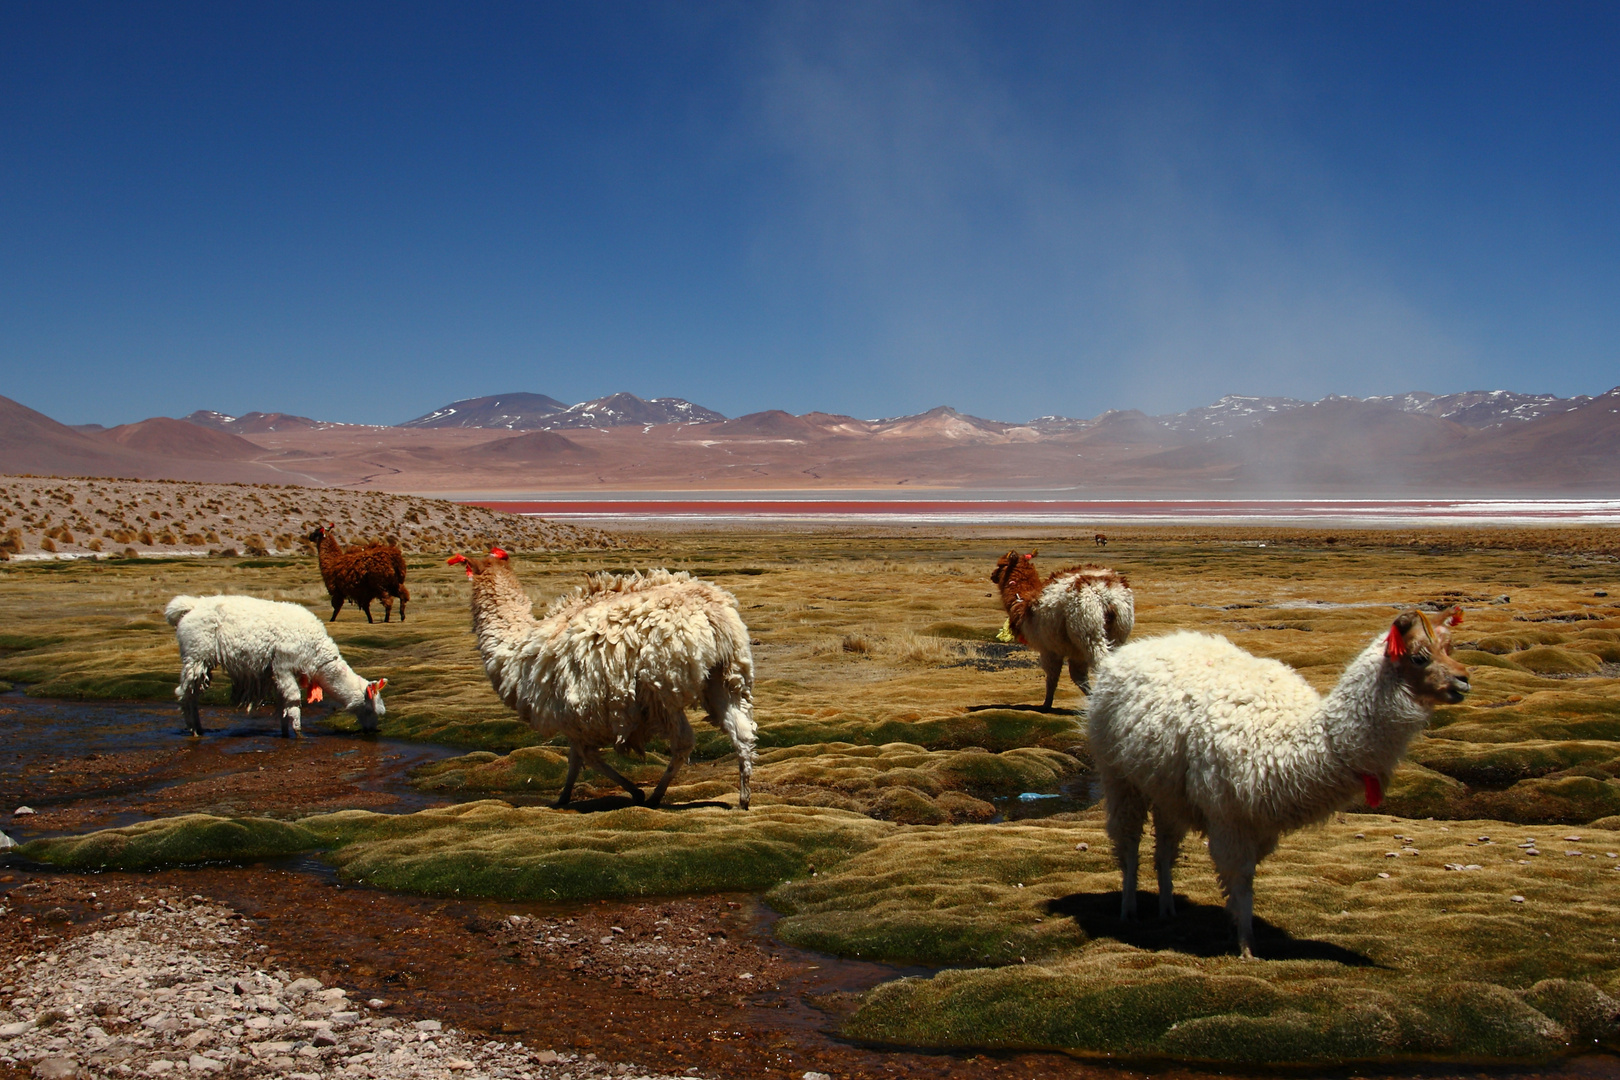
(740, 1004)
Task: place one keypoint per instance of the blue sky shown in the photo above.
(361, 212)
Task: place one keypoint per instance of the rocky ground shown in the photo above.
(50, 517)
(171, 986)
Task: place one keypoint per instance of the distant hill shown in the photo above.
(252, 423)
(31, 442)
(625, 410)
(516, 412)
(176, 438)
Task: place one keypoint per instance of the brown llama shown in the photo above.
(1078, 615)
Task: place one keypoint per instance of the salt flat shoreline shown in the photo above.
(1335, 513)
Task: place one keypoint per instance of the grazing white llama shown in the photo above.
(1077, 615)
(1242, 749)
(617, 663)
(273, 652)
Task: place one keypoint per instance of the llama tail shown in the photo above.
(178, 608)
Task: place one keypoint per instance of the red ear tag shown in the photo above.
(497, 553)
(1394, 645)
(454, 559)
(1374, 790)
(315, 694)
(1455, 618)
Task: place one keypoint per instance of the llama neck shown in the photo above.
(329, 550)
(502, 615)
(1370, 718)
(339, 679)
(1019, 591)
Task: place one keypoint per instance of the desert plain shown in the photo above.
(924, 866)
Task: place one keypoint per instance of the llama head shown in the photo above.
(1009, 563)
(1420, 650)
(372, 707)
(497, 561)
(318, 535)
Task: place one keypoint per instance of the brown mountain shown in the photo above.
(536, 446)
(31, 442)
(253, 423)
(178, 438)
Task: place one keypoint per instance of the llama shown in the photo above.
(617, 663)
(273, 652)
(361, 574)
(1100, 540)
(1077, 615)
(1241, 749)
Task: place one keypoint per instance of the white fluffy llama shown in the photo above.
(617, 663)
(1078, 615)
(1242, 749)
(273, 653)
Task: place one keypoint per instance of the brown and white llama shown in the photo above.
(617, 663)
(1076, 615)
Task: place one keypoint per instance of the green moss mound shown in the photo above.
(1113, 1001)
(192, 838)
(990, 729)
(491, 849)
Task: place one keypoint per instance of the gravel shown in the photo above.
(160, 992)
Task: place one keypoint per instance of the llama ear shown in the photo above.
(373, 689)
(1453, 617)
(1395, 647)
(1031, 555)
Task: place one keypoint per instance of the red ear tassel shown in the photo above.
(497, 553)
(1395, 644)
(454, 559)
(1455, 617)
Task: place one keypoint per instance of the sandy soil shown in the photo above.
(42, 517)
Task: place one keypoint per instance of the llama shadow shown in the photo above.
(603, 803)
(1045, 710)
(1197, 929)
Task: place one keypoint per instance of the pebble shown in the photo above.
(23, 811)
(160, 992)
(1516, 899)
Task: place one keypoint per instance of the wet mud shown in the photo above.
(82, 766)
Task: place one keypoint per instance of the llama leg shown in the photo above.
(1167, 836)
(401, 607)
(732, 708)
(337, 606)
(194, 678)
(1127, 812)
(1080, 675)
(681, 742)
(1052, 664)
(291, 696)
(366, 607)
(593, 758)
(388, 608)
(575, 760)
(1235, 857)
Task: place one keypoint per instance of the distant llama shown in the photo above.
(1077, 615)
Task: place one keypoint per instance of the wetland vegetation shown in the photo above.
(1474, 916)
